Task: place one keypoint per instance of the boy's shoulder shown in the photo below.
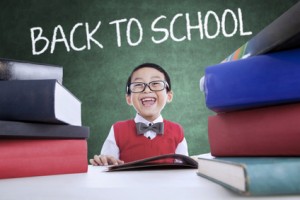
(124, 122)
(172, 124)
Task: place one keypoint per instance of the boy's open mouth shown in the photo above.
(148, 101)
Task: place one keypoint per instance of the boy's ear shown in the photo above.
(128, 99)
(170, 96)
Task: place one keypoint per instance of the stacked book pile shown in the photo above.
(254, 135)
(40, 122)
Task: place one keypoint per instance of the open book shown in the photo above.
(180, 162)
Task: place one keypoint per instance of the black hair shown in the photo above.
(150, 65)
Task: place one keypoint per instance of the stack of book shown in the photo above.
(254, 136)
(40, 122)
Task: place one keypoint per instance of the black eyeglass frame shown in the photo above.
(166, 85)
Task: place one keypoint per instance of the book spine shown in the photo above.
(30, 157)
(269, 131)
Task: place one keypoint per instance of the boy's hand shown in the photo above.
(100, 160)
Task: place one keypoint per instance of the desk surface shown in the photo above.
(98, 184)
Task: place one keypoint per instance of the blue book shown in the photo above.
(253, 176)
(271, 38)
(258, 81)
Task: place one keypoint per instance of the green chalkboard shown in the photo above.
(99, 42)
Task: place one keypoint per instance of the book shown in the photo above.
(24, 70)
(44, 101)
(15, 129)
(272, 38)
(165, 161)
(253, 176)
(267, 131)
(40, 157)
(258, 81)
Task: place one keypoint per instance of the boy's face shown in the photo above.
(148, 104)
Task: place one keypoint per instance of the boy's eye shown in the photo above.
(155, 84)
(138, 85)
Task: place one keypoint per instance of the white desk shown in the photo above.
(181, 184)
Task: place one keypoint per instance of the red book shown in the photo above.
(38, 157)
(267, 131)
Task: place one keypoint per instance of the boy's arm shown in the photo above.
(105, 160)
(182, 148)
(110, 146)
(109, 153)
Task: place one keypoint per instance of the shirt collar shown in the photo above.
(139, 118)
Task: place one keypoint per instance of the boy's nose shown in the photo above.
(147, 89)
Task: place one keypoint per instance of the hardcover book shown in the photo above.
(40, 157)
(268, 131)
(15, 129)
(272, 38)
(257, 81)
(253, 176)
(24, 70)
(44, 101)
(165, 161)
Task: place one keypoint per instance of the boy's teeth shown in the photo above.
(148, 101)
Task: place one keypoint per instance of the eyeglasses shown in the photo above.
(137, 87)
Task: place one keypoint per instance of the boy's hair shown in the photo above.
(150, 65)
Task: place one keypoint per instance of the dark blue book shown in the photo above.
(43, 101)
(258, 81)
(22, 130)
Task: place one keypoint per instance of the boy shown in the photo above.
(148, 134)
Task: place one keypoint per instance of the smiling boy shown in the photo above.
(148, 90)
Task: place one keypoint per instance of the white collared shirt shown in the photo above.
(110, 146)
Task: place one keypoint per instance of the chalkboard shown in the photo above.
(99, 42)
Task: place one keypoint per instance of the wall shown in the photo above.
(99, 42)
